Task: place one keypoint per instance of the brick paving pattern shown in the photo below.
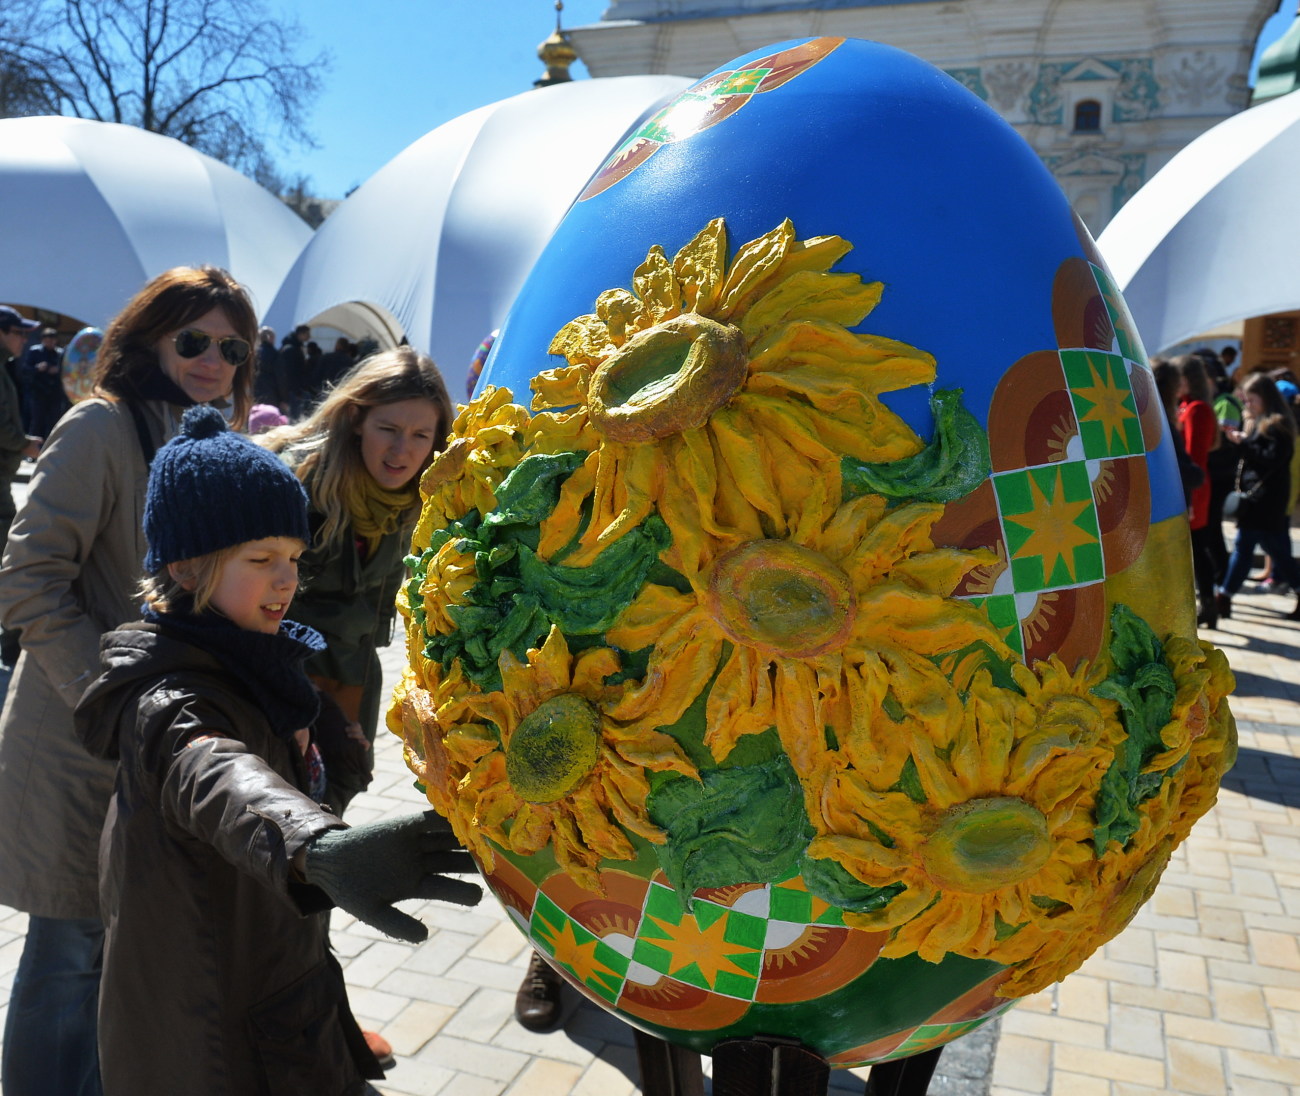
(1200, 995)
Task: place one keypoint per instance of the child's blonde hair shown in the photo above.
(197, 582)
(323, 448)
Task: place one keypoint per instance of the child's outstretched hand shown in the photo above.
(365, 869)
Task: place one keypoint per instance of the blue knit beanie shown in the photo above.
(211, 488)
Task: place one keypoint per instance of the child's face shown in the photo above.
(396, 440)
(257, 583)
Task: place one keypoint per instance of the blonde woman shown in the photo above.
(360, 455)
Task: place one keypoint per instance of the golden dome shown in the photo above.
(556, 53)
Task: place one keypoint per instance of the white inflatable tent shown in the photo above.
(1213, 237)
(435, 245)
(93, 210)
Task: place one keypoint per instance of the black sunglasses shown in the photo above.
(190, 343)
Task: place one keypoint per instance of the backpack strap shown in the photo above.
(147, 447)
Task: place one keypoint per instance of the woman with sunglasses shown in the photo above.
(69, 574)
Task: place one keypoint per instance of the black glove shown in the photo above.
(365, 869)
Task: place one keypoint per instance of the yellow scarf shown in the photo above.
(376, 511)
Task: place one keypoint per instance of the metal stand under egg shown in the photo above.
(768, 1067)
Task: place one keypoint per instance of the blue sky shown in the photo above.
(403, 67)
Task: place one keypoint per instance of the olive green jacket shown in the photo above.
(351, 603)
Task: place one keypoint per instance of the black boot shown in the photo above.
(538, 1002)
(1224, 604)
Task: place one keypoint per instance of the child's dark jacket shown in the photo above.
(217, 976)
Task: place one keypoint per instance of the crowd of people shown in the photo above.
(293, 376)
(1235, 439)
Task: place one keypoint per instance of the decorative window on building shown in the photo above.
(1087, 116)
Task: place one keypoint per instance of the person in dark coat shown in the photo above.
(43, 398)
(268, 385)
(292, 368)
(1264, 481)
(15, 443)
(336, 363)
(216, 854)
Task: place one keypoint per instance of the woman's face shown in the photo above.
(1254, 405)
(209, 376)
(397, 438)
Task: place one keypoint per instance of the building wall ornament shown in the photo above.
(1007, 82)
(1138, 96)
(969, 78)
(1198, 79)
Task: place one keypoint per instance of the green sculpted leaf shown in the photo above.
(741, 824)
(954, 463)
(517, 596)
(1144, 687)
(529, 493)
(587, 600)
(831, 883)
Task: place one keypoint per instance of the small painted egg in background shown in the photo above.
(800, 626)
(78, 368)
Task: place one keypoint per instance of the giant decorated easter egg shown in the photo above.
(800, 617)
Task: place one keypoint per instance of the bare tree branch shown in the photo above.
(221, 75)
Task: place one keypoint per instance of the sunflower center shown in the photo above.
(667, 379)
(782, 598)
(985, 844)
(553, 749)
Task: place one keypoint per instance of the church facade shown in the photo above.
(1105, 91)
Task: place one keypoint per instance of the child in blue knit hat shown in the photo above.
(215, 857)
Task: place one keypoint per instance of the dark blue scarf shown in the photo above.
(270, 667)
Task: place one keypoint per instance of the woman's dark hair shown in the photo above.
(173, 299)
(1191, 367)
(1277, 412)
(1166, 376)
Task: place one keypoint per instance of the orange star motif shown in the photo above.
(689, 943)
(1054, 532)
(1112, 405)
(578, 956)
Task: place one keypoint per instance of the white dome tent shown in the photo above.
(435, 245)
(93, 210)
(1213, 237)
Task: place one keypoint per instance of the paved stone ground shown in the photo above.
(1200, 995)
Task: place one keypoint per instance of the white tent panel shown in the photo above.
(1213, 237)
(442, 237)
(95, 209)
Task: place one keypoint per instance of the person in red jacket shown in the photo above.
(1200, 434)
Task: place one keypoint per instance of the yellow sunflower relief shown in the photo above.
(998, 821)
(714, 390)
(559, 771)
(788, 620)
